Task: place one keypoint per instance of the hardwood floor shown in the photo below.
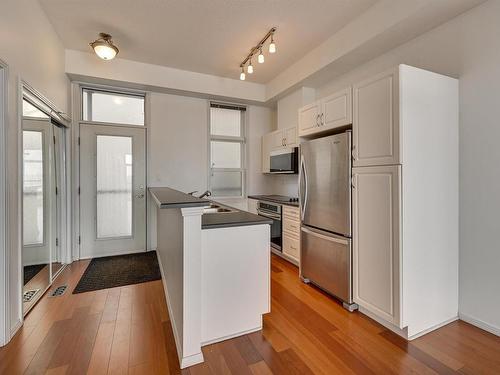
(127, 330)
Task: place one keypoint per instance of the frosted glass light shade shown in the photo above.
(105, 51)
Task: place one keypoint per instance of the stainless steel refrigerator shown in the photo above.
(325, 209)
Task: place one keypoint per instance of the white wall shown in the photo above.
(33, 52)
(178, 147)
(466, 47)
(178, 143)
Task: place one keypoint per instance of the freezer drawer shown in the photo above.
(325, 260)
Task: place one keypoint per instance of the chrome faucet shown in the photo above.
(206, 194)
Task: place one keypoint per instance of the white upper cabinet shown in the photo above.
(376, 240)
(285, 138)
(326, 114)
(309, 118)
(376, 120)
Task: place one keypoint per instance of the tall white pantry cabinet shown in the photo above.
(405, 199)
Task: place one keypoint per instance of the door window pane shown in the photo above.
(32, 188)
(226, 184)
(225, 154)
(29, 110)
(115, 108)
(114, 186)
(225, 122)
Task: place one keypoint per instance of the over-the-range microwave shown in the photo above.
(285, 161)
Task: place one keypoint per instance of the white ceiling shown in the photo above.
(206, 36)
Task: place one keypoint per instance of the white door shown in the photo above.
(376, 240)
(278, 139)
(112, 190)
(291, 137)
(337, 110)
(309, 118)
(376, 120)
(39, 193)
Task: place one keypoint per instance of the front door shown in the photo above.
(112, 190)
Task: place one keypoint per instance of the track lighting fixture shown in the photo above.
(260, 59)
(257, 50)
(272, 45)
(250, 68)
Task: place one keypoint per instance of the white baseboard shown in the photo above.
(15, 328)
(480, 324)
(258, 328)
(187, 361)
(404, 332)
(433, 328)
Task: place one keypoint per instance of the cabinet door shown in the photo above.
(291, 247)
(337, 110)
(376, 240)
(278, 139)
(290, 135)
(266, 152)
(309, 118)
(376, 120)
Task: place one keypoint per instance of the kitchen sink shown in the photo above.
(216, 209)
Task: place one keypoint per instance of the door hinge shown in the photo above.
(57, 191)
(79, 240)
(57, 241)
(78, 190)
(54, 137)
(78, 141)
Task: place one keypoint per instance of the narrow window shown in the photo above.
(227, 150)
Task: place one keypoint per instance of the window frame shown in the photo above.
(242, 140)
(118, 92)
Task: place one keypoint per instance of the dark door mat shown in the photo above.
(31, 271)
(113, 271)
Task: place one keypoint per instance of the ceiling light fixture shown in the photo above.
(257, 50)
(260, 59)
(272, 46)
(104, 47)
(250, 68)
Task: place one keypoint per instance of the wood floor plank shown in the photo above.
(127, 330)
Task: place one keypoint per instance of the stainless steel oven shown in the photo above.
(272, 211)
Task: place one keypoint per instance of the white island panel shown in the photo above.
(235, 273)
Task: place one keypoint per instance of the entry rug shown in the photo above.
(113, 271)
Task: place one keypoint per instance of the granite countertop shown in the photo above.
(270, 199)
(232, 219)
(170, 198)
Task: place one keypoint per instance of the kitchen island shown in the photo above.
(215, 264)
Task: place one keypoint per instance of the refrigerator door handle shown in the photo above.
(302, 190)
(330, 238)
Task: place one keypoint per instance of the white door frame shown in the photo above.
(25, 89)
(76, 105)
(4, 254)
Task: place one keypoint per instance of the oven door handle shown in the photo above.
(268, 215)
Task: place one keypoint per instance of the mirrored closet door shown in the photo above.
(43, 163)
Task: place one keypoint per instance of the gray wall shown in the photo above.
(468, 48)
